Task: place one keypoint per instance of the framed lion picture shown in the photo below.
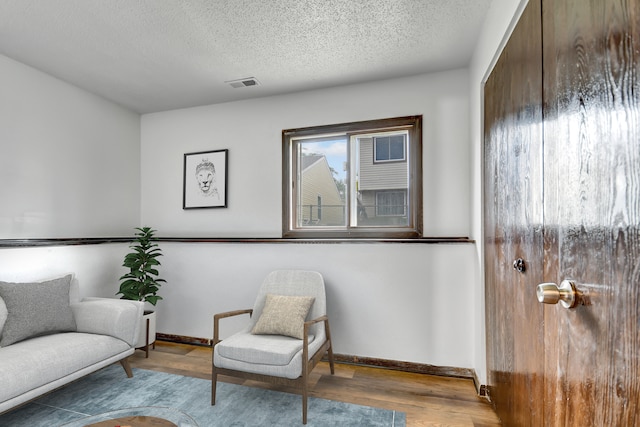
(205, 180)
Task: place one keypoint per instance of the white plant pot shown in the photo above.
(142, 333)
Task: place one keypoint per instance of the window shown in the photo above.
(391, 203)
(360, 179)
(389, 148)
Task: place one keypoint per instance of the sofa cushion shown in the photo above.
(283, 315)
(35, 309)
(33, 363)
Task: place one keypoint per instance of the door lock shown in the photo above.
(519, 265)
(550, 293)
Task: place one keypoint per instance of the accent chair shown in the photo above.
(286, 336)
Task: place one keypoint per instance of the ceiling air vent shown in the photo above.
(249, 81)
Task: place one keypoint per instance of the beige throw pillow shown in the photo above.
(283, 315)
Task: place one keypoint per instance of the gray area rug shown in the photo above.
(239, 406)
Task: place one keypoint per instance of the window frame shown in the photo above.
(413, 147)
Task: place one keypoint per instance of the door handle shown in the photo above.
(550, 293)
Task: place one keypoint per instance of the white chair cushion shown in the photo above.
(261, 349)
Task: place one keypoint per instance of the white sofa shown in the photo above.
(48, 337)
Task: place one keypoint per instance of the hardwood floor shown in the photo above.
(427, 400)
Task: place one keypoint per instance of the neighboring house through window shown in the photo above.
(391, 203)
(389, 148)
(360, 179)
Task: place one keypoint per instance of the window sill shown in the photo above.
(22, 243)
(428, 240)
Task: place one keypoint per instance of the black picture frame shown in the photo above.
(205, 179)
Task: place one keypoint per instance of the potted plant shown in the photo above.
(141, 283)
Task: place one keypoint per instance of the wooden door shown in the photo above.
(513, 225)
(592, 210)
(548, 365)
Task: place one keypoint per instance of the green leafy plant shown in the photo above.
(141, 283)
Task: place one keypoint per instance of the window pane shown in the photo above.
(396, 147)
(389, 148)
(321, 189)
(380, 190)
(382, 148)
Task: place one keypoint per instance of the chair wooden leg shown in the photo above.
(214, 381)
(327, 331)
(305, 383)
(330, 354)
(304, 403)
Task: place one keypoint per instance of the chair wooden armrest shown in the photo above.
(317, 320)
(312, 322)
(217, 317)
(326, 347)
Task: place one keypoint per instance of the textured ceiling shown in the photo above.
(155, 55)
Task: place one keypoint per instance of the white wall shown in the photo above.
(95, 267)
(69, 160)
(407, 302)
(500, 20)
(252, 131)
(410, 302)
(69, 168)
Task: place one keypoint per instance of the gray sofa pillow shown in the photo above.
(35, 309)
(3, 315)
